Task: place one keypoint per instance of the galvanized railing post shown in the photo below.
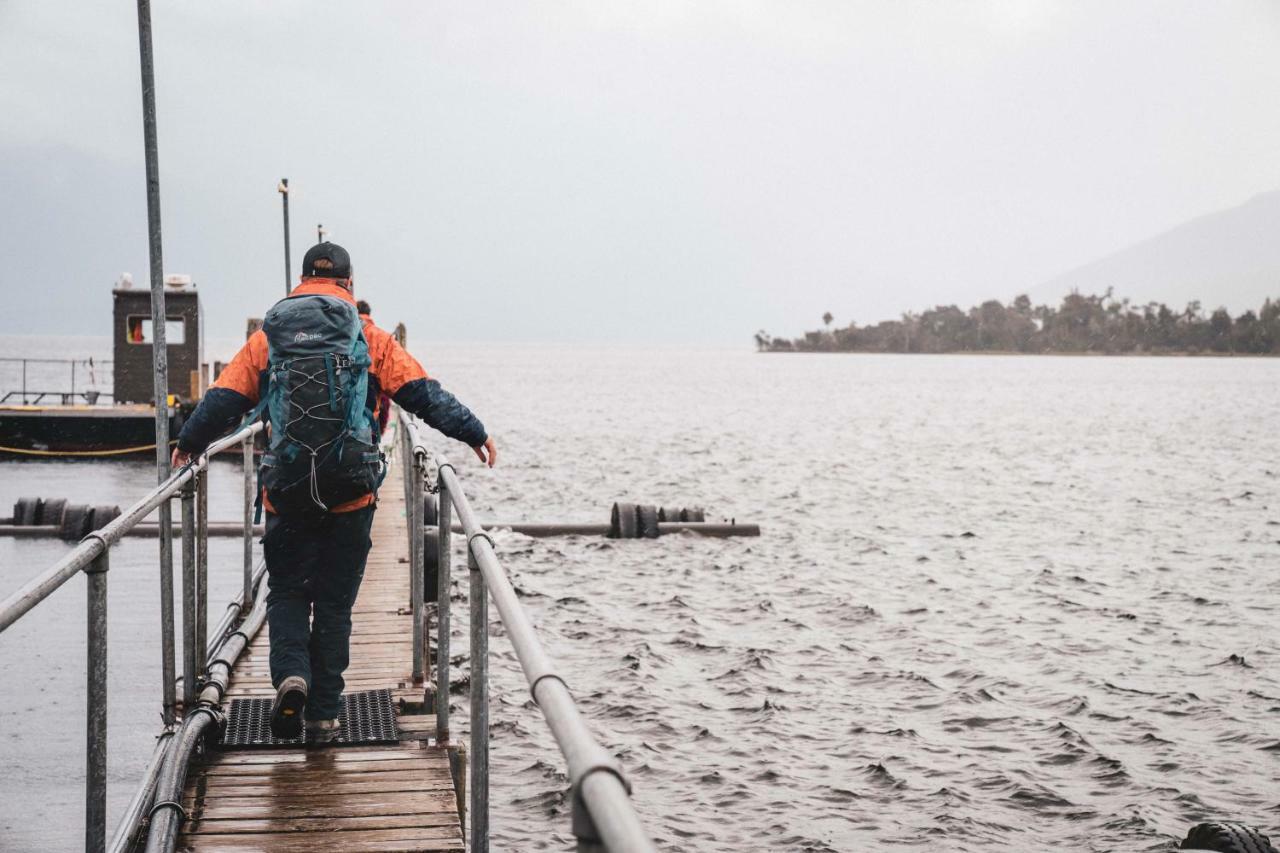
(479, 707)
(416, 563)
(415, 521)
(407, 464)
(407, 480)
(95, 776)
(202, 566)
(247, 600)
(445, 528)
(168, 673)
(420, 530)
(189, 653)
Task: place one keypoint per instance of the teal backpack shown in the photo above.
(323, 445)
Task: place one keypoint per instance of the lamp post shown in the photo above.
(283, 189)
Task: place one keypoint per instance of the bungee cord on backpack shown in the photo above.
(335, 401)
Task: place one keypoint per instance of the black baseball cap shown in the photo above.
(327, 260)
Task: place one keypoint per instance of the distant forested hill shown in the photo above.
(1080, 324)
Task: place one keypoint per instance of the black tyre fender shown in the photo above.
(1227, 837)
(430, 564)
(26, 511)
(75, 522)
(430, 509)
(51, 512)
(647, 521)
(103, 514)
(669, 514)
(694, 514)
(622, 522)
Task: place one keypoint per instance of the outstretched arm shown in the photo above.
(446, 413)
(403, 378)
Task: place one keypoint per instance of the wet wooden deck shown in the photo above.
(394, 797)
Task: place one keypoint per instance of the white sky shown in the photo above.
(660, 171)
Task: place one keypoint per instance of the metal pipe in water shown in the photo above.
(665, 528)
(143, 530)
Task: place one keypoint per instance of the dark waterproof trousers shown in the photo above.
(314, 567)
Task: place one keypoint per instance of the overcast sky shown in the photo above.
(656, 171)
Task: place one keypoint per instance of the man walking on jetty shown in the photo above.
(318, 371)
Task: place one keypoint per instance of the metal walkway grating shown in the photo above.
(367, 717)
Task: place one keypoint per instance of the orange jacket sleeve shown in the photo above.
(403, 379)
(234, 393)
(243, 373)
(392, 364)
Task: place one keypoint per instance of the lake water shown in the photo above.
(999, 602)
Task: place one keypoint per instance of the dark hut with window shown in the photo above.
(55, 407)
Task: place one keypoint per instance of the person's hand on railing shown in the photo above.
(487, 452)
(179, 458)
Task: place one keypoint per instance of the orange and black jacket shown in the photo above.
(393, 372)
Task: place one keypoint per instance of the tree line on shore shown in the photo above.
(1081, 324)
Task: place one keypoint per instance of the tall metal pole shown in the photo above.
(159, 352)
(283, 189)
(95, 776)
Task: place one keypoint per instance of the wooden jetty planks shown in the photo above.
(402, 838)
(358, 798)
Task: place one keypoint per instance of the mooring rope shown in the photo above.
(120, 451)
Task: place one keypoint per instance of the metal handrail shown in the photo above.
(96, 543)
(603, 815)
(92, 556)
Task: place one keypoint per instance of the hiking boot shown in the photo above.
(286, 711)
(323, 731)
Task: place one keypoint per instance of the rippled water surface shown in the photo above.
(999, 602)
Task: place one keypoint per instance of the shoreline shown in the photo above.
(1014, 353)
